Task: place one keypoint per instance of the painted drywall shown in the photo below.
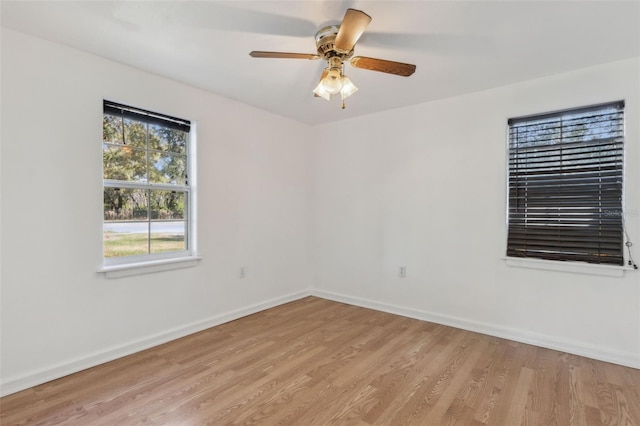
(421, 187)
(58, 313)
(424, 187)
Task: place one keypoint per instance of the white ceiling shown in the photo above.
(458, 46)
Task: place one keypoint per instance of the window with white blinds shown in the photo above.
(565, 185)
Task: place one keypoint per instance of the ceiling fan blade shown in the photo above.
(381, 65)
(353, 25)
(283, 55)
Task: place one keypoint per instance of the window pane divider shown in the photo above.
(144, 185)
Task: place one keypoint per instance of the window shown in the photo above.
(146, 185)
(565, 185)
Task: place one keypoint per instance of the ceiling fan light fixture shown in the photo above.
(332, 83)
(348, 88)
(320, 91)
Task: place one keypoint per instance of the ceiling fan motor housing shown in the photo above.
(325, 38)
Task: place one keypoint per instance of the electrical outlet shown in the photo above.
(402, 272)
(243, 272)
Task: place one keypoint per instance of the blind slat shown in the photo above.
(519, 148)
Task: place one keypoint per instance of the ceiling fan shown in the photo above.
(335, 44)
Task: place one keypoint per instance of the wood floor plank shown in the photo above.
(318, 362)
(469, 396)
(392, 379)
(435, 410)
(489, 376)
(504, 379)
(422, 380)
(517, 409)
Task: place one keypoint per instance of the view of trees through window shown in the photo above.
(145, 185)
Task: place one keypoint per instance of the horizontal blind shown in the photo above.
(145, 116)
(565, 185)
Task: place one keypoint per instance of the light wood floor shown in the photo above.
(319, 362)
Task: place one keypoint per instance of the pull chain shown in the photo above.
(341, 92)
(631, 262)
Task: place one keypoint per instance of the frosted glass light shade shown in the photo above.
(320, 91)
(333, 81)
(348, 88)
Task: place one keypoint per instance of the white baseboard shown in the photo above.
(627, 359)
(35, 378)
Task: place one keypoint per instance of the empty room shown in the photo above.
(320, 212)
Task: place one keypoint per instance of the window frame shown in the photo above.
(564, 261)
(151, 262)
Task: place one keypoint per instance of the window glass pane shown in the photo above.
(166, 139)
(167, 205)
(135, 133)
(126, 227)
(167, 168)
(128, 239)
(111, 129)
(167, 221)
(124, 163)
(124, 204)
(167, 236)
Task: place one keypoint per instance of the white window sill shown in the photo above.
(573, 267)
(148, 267)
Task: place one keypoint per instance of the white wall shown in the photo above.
(58, 314)
(424, 187)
